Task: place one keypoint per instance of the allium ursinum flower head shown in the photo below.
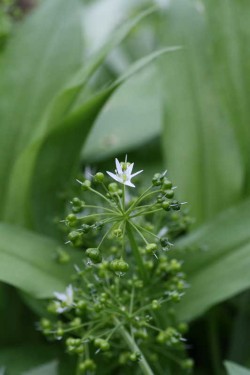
(123, 172)
(125, 253)
(66, 299)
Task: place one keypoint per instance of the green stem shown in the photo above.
(146, 370)
(78, 370)
(123, 196)
(136, 252)
(141, 198)
(214, 343)
(146, 212)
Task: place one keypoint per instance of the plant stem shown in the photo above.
(214, 343)
(146, 370)
(136, 252)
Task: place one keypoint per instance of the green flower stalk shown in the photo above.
(118, 313)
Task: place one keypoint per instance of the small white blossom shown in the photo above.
(123, 172)
(66, 299)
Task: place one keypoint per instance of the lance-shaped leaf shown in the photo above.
(234, 369)
(220, 269)
(27, 261)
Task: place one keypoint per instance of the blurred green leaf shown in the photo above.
(221, 269)
(228, 27)
(68, 98)
(234, 369)
(28, 262)
(129, 119)
(22, 358)
(37, 51)
(50, 368)
(200, 147)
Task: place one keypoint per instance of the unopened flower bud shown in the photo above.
(99, 177)
(151, 248)
(94, 254)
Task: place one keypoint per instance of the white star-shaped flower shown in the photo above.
(66, 299)
(123, 172)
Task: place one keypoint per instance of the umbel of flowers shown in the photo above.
(117, 316)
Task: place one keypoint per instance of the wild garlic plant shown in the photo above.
(117, 316)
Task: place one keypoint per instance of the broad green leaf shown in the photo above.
(33, 69)
(2, 370)
(200, 147)
(129, 119)
(220, 269)
(240, 330)
(50, 368)
(228, 25)
(68, 98)
(21, 359)
(234, 369)
(28, 262)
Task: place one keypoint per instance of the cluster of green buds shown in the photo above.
(119, 309)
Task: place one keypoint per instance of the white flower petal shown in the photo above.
(136, 173)
(115, 177)
(129, 169)
(69, 291)
(118, 166)
(61, 296)
(123, 172)
(129, 183)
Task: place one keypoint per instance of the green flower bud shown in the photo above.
(141, 334)
(164, 242)
(71, 220)
(85, 228)
(77, 205)
(86, 185)
(183, 327)
(156, 180)
(75, 238)
(187, 364)
(155, 305)
(59, 332)
(174, 265)
(176, 206)
(160, 198)
(52, 307)
(175, 296)
(170, 336)
(88, 364)
(75, 322)
(151, 248)
(120, 192)
(81, 305)
(99, 177)
(169, 193)
(45, 323)
(166, 205)
(134, 357)
(102, 344)
(166, 184)
(119, 265)
(113, 187)
(94, 254)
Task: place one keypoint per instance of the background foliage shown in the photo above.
(74, 94)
